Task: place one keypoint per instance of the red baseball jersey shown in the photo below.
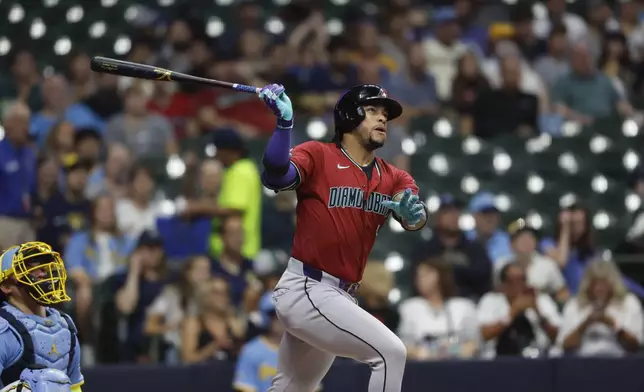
(339, 209)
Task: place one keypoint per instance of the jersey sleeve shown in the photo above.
(402, 182)
(10, 346)
(75, 375)
(246, 372)
(303, 158)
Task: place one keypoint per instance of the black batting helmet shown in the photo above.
(349, 112)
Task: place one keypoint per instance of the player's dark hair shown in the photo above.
(446, 285)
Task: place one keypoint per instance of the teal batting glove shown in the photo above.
(408, 208)
(276, 99)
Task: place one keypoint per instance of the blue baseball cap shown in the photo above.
(444, 15)
(447, 200)
(6, 262)
(483, 202)
(228, 139)
(267, 309)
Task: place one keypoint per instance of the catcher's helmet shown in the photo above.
(349, 112)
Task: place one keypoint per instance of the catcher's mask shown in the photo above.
(39, 269)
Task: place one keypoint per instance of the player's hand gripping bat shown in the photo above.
(149, 72)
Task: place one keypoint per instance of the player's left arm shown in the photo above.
(405, 206)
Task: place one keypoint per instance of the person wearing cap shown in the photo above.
(542, 272)
(240, 194)
(443, 50)
(136, 289)
(67, 211)
(469, 260)
(257, 362)
(486, 229)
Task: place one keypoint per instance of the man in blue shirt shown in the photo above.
(17, 177)
(68, 211)
(487, 232)
(232, 265)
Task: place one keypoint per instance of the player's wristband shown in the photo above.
(284, 124)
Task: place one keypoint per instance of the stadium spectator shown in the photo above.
(145, 134)
(469, 259)
(373, 296)
(136, 289)
(486, 229)
(414, 87)
(215, 331)
(516, 320)
(241, 193)
(88, 146)
(369, 50)
(395, 40)
(60, 106)
(46, 188)
(508, 109)
(17, 177)
(82, 80)
(443, 50)
(106, 101)
(585, 94)
(530, 46)
(615, 62)
(166, 313)
(556, 14)
(257, 363)
(175, 50)
(60, 142)
(473, 33)
(542, 272)
(68, 211)
(169, 101)
(278, 221)
(232, 265)
(24, 81)
(139, 210)
(468, 84)
(573, 245)
(111, 177)
(604, 319)
(435, 324)
(554, 64)
(630, 25)
(91, 256)
(529, 82)
(600, 18)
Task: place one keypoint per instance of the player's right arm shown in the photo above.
(284, 169)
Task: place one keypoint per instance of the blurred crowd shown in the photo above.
(79, 149)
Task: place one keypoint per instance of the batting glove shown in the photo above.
(408, 208)
(280, 104)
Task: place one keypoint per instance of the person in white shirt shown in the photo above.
(604, 319)
(138, 211)
(165, 315)
(516, 320)
(435, 324)
(543, 273)
(443, 50)
(556, 14)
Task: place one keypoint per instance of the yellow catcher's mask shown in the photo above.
(41, 270)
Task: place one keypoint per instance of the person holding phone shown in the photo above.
(604, 319)
(516, 320)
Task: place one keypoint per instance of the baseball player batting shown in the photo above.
(345, 194)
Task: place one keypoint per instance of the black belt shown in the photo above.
(316, 274)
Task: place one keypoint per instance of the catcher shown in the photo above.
(32, 334)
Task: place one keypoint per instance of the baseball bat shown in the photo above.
(149, 72)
